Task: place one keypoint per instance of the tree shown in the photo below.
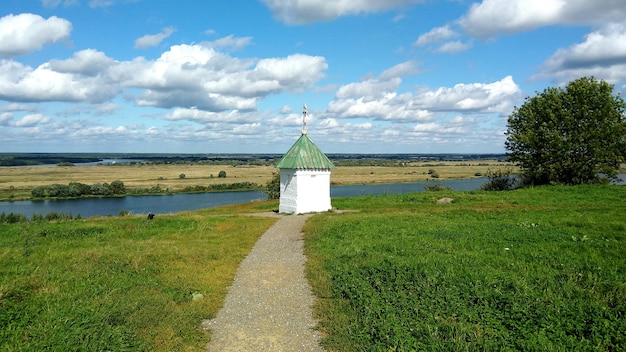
(272, 188)
(117, 187)
(569, 136)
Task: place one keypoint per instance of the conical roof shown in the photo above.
(304, 154)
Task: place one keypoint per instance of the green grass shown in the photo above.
(119, 284)
(533, 269)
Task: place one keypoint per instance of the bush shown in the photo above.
(12, 218)
(181, 176)
(38, 192)
(500, 180)
(222, 174)
(436, 188)
(100, 189)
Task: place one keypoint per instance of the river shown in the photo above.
(163, 204)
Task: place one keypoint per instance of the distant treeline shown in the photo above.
(24, 159)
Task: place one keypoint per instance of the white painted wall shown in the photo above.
(304, 191)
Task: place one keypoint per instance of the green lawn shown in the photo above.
(540, 269)
(119, 284)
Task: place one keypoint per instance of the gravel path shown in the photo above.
(269, 305)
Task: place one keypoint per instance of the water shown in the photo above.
(163, 204)
(160, 204)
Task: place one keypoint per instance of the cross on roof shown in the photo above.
(304, 112)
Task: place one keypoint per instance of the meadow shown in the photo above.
(533, 269)
(539, 269)
(120, 283)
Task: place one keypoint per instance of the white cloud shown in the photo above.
(400, 70)
(492, 17)
(309, 11)
(381, 99)
(22, 83)
(435, 35)
(498, 97)
(204, 117)
(602, 54)
(387, 82)
(183, 76)
(27, 32)
(391, 106)
(369, 88)
(149, 40)
(32, 120)
(87, 62)
(453, 47)
(17, 107)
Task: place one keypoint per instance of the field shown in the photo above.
(538, 269)
(120, 284)
(532, 269)
(17, 182)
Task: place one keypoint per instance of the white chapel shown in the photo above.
(304, 177)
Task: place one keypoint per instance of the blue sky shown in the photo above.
(392, 76)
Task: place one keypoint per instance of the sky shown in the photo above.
(377, 76)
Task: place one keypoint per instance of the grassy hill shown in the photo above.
(531, 269)
(538, 269)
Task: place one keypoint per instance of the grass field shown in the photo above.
(531, 269)
(120, 284)
(17, 182)
(538, 269)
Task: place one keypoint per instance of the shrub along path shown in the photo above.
(269, 305)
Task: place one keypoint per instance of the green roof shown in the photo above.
(304, 154)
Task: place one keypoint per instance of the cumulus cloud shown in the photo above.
(21, 83)
(497, 97)
(381, 99)
(602, 54)
(310, 11)
(87, 62)
(492, 17)
(149, 40)
(27, 32)
(183, 76)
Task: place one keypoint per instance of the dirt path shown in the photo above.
(269, 305)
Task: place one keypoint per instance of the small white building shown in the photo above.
(304, 177)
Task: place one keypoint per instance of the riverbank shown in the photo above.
(17, 183)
